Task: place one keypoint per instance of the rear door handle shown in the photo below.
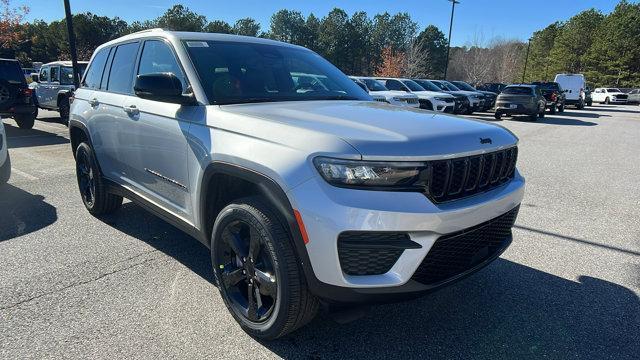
(94, 102)
(131, 110)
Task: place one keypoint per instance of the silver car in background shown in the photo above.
(304, 190)
(380, 93)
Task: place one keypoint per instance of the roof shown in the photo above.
(203, 36)
(64, 63)
(14, 60)
(522, 85)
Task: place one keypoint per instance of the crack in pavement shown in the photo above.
(77, 284)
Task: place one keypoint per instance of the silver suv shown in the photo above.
(304, 194)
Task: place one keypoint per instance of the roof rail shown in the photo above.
(148, 30)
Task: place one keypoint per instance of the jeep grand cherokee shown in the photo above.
(303, 194)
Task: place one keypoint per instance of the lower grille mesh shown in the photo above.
(371, 253)
(456, 253)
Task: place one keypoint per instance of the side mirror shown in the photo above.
(165, 87)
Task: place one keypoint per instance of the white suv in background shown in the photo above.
(609, 96)
(381, 93)
(429, 100)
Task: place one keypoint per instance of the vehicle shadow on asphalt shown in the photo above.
(23, 213)
(20, 138)
(553, 120)
(141, 224)
(506, 311)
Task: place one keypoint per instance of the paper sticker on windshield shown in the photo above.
(197, 44)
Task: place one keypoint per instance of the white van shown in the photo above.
(574, 86)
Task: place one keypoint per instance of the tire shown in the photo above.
(5, 170)
(561, 108)
(293, 305)
(606, 100)
(93, 190)
(64, 108)
(534, 116)
(25, 121)
(498, 116)
(590, 103)
(541, 114)
(553, 109)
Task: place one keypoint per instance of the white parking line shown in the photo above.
(23, 174)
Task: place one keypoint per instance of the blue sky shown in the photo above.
(503, 18)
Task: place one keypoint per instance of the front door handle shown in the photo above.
(94, 102)
(131, 110)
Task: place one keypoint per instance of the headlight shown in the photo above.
(442, 99)
(366, 174)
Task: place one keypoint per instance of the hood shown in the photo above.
(381, 132)
(391, 93)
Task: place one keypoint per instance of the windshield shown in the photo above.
(428, 85)
(374, 85)
(517, 90)
(613, 90)
(440, 85)
(463, 85)
(450, 86)
(241, 72)
(11, 72)
(412, 85)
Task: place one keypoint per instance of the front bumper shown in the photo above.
(443, 106)
(328, 211)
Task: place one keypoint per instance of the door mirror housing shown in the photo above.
(165, 87)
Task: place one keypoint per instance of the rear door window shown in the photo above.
(94, 73)
(54, 74)
(395, 85)
(121, 74)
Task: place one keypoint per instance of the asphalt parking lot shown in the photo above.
(132, 286)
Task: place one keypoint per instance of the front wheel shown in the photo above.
(5, 170)
(606, 101)
(257, 271)
(561, 108)
(553, 109)
(93, 190)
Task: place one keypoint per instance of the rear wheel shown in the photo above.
(5, 170)
(606, 101)
(561, 108)
(93, 190)
(498, 116)
(257, 270)
(553, 109)
(63, 109)
(25, 121)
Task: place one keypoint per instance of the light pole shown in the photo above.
(526, 60)
(446, 63)
(72, 43)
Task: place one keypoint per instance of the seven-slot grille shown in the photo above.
(457, 253)
(461, 177)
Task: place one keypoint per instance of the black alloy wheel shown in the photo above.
(64, 108)
(247, 271)
(86, 178)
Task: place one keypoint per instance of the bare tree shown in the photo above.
(417, 58)
(477, 58)
(509, 56)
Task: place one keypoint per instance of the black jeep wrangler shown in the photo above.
(16, 99)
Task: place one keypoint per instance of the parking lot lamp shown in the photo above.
(446, 63)
(72, 43)
(526, 59)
